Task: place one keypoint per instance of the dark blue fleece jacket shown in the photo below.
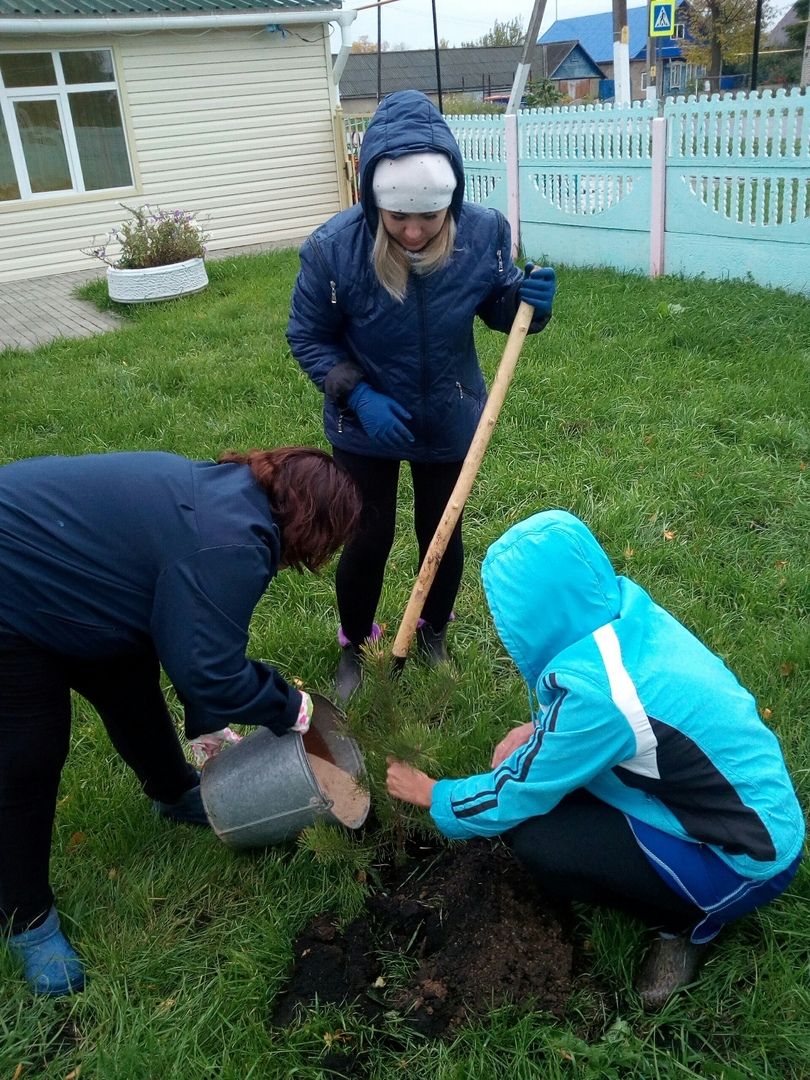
(110, 554)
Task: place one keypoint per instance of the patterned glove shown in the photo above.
(209, 745)
(538, 288)
(301, 725)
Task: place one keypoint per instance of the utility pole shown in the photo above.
(529, 46)
(652, 71)
(436, 53)
(511, 123)
(621, 54)
(755, 47)
(804, 78)
(379, 53)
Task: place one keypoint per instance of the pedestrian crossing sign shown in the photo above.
(662, 18)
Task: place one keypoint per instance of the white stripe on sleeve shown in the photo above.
(626, 699)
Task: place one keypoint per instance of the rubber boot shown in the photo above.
(431, 644)
(349, 672)
(671, 963)
(50, 964)
(188, 809)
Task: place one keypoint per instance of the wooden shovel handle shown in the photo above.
(466, 478)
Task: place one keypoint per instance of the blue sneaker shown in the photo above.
(50, 964)
(188, 809)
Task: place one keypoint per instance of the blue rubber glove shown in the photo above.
(538, 288)
(381, 417)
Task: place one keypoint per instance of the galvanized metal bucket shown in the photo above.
(264, 789)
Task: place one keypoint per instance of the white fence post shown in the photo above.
(659, 190)
(512, 179)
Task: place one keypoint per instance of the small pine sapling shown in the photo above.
(398, 718)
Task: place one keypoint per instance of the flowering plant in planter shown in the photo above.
(160, 256)
(154, 238)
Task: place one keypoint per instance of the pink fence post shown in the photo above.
(659, 196)
(512, 179)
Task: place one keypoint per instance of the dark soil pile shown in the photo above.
(481, 932)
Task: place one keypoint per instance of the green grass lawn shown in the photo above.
(672, 416)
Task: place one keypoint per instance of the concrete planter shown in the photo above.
(156, 282)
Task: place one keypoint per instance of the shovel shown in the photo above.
(466, 478)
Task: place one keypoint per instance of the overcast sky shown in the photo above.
(409, 23)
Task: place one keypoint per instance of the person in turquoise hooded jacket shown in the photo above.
(382, 320)
(645, 780)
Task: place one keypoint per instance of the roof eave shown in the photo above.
(91, 24)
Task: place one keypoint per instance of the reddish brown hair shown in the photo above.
(314, 501)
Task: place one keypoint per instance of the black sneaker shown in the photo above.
(671, 963)
(188, 809)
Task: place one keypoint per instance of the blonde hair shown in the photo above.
(392, 263)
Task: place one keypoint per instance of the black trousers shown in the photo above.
(35, 714)
(584, 850)
(360, 571)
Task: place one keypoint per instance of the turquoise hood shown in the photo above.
(548, 584)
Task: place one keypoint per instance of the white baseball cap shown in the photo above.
(414, 184)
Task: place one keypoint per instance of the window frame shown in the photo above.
(59, 92)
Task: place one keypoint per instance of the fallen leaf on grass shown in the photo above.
(780, 564)
(665, 309)
(74, 1074)
(18, 1072)
(76, 840)
(338, 1036)
(767, 714)
(629, 552)
(669, 534)
(379, 982)
(786, 669)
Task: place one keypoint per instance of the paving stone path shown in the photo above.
(37, 311)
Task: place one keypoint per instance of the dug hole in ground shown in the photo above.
(478, 931)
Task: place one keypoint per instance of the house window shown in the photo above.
(61, 130)
(679, 30)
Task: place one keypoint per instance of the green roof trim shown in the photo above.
(77, 9)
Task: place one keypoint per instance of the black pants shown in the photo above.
(361, 568)
(35, 713)
(584, 850)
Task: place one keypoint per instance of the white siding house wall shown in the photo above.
(234, 124)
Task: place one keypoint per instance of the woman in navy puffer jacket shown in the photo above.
(382, 322)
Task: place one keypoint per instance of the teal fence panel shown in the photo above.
(482, 144)
(585, 184)
(737, 183)
(738, 187)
